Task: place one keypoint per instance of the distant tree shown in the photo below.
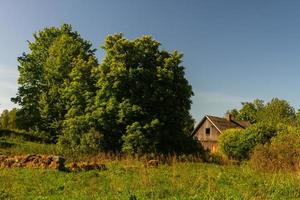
(298, 117)
(8, 119)
(234, 113)
(12, 123)
(277, 111)
(4, 119)
(250, 111)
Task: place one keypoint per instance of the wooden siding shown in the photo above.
(209, 141)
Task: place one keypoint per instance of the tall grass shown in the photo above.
(181, 180)
(129, 177)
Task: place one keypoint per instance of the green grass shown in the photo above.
(17, 146)
(129, 179)
(121, 181)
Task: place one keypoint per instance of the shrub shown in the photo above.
(91, 142)
(282, 154)
(238, 144)
(259, 133)
(230, 143)
(78, 137)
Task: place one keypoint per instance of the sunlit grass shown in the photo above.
(129, 178)
(178, 181)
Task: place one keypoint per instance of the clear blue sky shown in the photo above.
(234, 50)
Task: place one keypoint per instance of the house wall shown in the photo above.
(209, 141)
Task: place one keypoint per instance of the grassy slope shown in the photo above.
(129, 179)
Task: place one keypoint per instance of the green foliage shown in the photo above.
(276, 111)
(238, 144)
(137, 100)
(143, 99)
(91, 142)
(282, 154)
(259, 133)
(249, 111)
(47, 74)
(8, 119)
(230, 143)
(134, 139)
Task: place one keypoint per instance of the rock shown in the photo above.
(33, 161)
(85, 166)
(72, 166)
(153, 163)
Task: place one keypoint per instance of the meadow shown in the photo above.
(129, 178)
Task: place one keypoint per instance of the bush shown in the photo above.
(230, 143)
(282, 154)
(259, 133)
(238, 144)
(91, 142)
(78, 137)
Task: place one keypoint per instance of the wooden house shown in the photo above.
(210, 127)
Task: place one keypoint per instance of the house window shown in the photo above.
(207, 131)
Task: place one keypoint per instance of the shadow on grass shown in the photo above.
(4, 144)
(23, 135)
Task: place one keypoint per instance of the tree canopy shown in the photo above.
(47, 75)
(136, 100)
(274, 112)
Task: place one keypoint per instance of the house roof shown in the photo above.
(221, 123)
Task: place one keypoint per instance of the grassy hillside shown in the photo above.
(130, 179)
(16, 143)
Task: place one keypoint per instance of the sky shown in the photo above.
(234, 50)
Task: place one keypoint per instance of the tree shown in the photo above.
(4, 119)
(277, 111)
(249, 111)
(8, 119)
(137, 100)
(143, 99)
(47, 74)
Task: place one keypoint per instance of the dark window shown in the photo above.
(207, 131)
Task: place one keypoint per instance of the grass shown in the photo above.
(130, 179)
(179, 181)
(19, 146)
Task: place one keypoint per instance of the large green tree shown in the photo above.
(137, 100)
(47, 75)
(143, 99)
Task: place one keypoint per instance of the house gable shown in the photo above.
(210, 127)
(207, 133)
